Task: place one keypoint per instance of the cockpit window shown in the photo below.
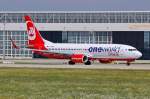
(132, 49)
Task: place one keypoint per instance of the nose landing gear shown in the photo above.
(128, 63)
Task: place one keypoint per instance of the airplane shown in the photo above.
(77, 53)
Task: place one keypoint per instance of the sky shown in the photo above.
(75, 5)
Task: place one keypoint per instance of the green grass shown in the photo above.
(29, 83)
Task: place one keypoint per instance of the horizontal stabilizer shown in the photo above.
(13, 44)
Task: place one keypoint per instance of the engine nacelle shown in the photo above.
(79, 58)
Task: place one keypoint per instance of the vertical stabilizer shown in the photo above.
(35, 40)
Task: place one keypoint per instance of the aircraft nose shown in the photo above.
(139, 54)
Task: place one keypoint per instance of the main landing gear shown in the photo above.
(128, 63)
(71, 63)
(86, 63)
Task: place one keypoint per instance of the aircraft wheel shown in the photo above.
(128, 63)
(88, 63)
(71, 63)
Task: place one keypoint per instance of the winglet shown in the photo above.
(13, 44)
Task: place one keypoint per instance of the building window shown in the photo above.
(71, 17)
(87, 37)
(20, 38)
(146, 40)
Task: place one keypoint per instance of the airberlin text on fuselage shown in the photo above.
(104, 49)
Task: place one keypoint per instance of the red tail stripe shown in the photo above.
(34, 37)
(27, 18)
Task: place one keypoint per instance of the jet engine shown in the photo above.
(79, 58)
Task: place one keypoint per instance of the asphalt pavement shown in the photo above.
(45, 63)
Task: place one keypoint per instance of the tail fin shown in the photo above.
(35, 40)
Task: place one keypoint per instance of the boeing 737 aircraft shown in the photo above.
(78, 53)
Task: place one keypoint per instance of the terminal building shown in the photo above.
(100, 27)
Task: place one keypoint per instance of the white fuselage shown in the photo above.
(113, 51)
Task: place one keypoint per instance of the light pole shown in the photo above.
(4, 34)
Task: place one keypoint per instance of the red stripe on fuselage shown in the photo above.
(52, 55)
(61, 56)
